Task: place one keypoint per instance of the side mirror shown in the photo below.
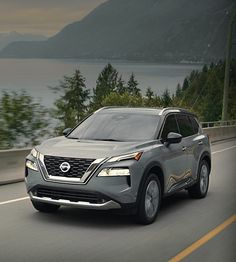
(173, 138)
(66, 131)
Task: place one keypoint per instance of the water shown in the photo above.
(35, 75)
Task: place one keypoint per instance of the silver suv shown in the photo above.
(121, 158)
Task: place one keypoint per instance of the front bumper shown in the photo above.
(80, 204)
(117, 192)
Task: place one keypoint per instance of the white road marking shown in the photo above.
(13, 200)
(222, 150)
(24, 198)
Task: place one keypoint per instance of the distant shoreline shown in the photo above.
(97, 60)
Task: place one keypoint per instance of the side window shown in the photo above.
(185, 125)
(169, 126)
(195, 125)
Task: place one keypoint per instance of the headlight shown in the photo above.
(114, 172)
(135, 156)
(31, 165)
(34, 152)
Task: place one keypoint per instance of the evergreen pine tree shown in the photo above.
(71, 107)
(185, 84)
(178, 92)
(121, 88)
(106, 83)
(149, 94)
(132, 86)
(166, 99)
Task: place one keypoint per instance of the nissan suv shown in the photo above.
(121, 158)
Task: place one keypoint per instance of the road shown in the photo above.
(79, 235)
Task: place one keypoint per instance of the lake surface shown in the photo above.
(35, 75)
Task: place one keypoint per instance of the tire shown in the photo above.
(150, 200)
(45, 207)
(200, 189)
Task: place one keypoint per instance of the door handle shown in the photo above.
(184, 148)
(200, 143)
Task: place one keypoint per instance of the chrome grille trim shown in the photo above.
(67, 180)
(77, 166)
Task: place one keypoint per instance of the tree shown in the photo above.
(232, 91)
(121, 88)
(178, 91)
(132, 86)
(210, 100)
(204, 91)
(149, 94)
(185, 84)
(205, 69)
(149, 99)
(23, 122)
(125, 99)
(166, 99)
(107, 82)
(157, 101)
(72, 105)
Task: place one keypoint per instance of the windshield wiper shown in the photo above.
(107, 139)
(71, 137)
(96, 139)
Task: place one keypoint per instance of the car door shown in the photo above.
(198, 141)
(188, 144)
(173, 156)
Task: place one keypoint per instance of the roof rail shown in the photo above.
(171, 109)
(175, 109)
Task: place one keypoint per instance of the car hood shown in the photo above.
(62, 146)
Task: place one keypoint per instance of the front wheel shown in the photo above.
(200, 189)
(150, 200)
(44, 207)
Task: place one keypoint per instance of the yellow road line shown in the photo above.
(187, 251)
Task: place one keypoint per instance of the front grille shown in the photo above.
(70, 195)
(78, 166)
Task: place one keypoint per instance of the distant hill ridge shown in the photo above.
(154, 30)
(7, 38)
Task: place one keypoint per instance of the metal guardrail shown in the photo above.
(218, 123)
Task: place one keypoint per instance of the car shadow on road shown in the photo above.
(85, 218)
(175, 201)
(108, 219)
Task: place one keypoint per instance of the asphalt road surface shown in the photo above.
(192, 230)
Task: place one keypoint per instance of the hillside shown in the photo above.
(7, 38)
(155, 30)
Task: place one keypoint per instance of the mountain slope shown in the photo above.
(7, 38)
(159, 30)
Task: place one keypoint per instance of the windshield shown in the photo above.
(114, 126)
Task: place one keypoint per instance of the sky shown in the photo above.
(45, 17)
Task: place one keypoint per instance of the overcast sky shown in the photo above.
(42, 16)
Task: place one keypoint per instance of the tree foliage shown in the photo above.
(202, 92)
(108, 81)
(72, 106)
(132, 86)
(166, 99)
(23, 122)
(125, 99)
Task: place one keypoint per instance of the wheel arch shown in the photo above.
(152, 168)
(207, 157)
